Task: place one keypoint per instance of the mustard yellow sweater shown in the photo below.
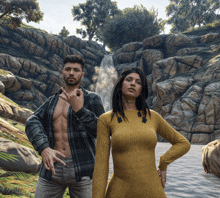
(133, 150)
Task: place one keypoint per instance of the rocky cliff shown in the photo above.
(183, 72)
(31, 63)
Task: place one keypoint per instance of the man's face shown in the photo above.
(72, 73)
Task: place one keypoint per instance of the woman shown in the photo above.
(133, 128)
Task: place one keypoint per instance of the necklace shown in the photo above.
(128, 102)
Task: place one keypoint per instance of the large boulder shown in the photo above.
(27, 159)
(210, 157)
(10, 82)
(132, 47)
(172, 66)
(155, 42)
(209, 37)
(14, 112)
(2, 87)
(175, 42)
(151, 56)
(183, 79)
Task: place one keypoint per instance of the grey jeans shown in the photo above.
(64, 177)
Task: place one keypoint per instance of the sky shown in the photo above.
(57, 13)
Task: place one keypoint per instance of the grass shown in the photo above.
(24, 25)
(8, 100)
(15, 134)
(23, 184)
(3, 72)
(215, 24)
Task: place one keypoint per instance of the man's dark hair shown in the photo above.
(74, 59)
(140, 102)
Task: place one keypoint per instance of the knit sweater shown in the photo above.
(133, 150)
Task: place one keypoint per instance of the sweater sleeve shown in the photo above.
(180, 145)
(100, 174)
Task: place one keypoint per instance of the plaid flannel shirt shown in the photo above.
(81, 125)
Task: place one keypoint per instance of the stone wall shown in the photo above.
(183, 72)
(34, 61)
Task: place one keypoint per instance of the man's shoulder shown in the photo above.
(46, 103)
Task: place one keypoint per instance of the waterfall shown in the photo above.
(107, 75)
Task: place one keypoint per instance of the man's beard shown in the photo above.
(72, 83)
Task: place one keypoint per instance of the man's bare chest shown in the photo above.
(61, 110)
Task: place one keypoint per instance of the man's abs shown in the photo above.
(60, 127)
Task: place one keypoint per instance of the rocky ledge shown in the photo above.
(31, 63)
(183, 72)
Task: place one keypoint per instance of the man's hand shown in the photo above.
(163, 176)
(49, 156)
(74, 98)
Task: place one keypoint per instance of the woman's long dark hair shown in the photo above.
(140, 101)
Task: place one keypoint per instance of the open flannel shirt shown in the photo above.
(81, 125)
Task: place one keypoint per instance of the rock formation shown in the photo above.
(182, 72)
(184, 80)
(14, 112)
(31, 63)
(26, 158)
(210, 157)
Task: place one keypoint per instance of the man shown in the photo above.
(63, 131)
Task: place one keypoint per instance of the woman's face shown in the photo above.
(131, 86)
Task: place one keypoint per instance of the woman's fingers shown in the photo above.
(162, 175)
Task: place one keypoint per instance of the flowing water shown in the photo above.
(107, 76)
(185, 176)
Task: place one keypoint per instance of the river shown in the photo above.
(185, 176)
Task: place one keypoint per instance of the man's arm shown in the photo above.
(87, 117)
(37, 136)
(35, 130)
(90, 117)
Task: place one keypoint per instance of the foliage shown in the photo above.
(5, 186)
(6, 157)
(3, 72)
(64, 32)
(92, 15)
(12, 12)
(132, 25)
(190, 13)
(13, 183)
(208, 25)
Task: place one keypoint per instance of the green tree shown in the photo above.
(92, 15)
(186, 14)
(13, 11)
(132, 25)
(64, 32)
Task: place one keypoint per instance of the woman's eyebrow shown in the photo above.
(132, 78)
